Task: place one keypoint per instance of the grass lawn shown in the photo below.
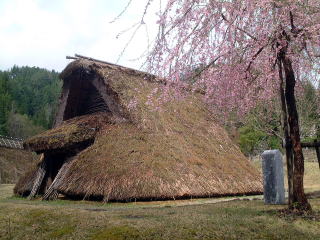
(23, 219)
(311, 175)
(226, 218)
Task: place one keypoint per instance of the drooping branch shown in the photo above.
(204, 68)
(255, 56)
(238, 28)
(122, 12)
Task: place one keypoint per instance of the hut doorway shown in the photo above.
(54, 162)
(55, 165)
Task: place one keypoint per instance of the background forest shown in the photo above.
(261, 129)
(29, 98)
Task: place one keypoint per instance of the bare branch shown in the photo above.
(145, 11)
(122, 12)
(204, 68)
(255, 56)
(129, 41)
(240, 29)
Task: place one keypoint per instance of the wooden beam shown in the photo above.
(317, 151)
(52, 193)
(73, 58)
(95, 60)
(314, 144)
(39, 178)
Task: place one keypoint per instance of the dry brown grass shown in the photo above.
(6, 190)
(312, 177)
(14, 163)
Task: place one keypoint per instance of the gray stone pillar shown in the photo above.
(273, 179)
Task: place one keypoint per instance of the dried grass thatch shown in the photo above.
(24, 185)
(149, 150)
(14, 163)
(68, 134)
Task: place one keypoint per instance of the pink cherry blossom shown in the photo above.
(238, 42)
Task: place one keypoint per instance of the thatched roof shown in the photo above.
(150, 150)
(68, 134)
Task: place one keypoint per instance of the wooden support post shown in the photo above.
(317, 151)
(52, 193)
(39, 178)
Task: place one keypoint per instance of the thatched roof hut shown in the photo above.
(113, 140)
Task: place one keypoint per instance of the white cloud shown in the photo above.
(41, 33)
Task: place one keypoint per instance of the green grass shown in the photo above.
(151, 220)
(6, 190)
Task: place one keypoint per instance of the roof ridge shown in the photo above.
(79, 57)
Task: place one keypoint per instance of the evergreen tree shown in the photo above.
(30, 95)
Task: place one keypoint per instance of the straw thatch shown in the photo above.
(24, 186)
(68, 134)
(14, 163)
(138, 147)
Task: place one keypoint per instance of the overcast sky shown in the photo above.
(42, 32)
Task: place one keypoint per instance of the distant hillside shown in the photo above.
(28, 100)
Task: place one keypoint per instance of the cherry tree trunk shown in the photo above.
(299, 200)
(288, 146)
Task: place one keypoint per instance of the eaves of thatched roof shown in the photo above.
(70, 133)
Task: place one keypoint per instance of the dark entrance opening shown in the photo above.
(54, 160)
(83, 97)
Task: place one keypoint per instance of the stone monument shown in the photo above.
(273, 179)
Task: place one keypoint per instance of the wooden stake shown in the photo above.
(317, 150)
(40, 175)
